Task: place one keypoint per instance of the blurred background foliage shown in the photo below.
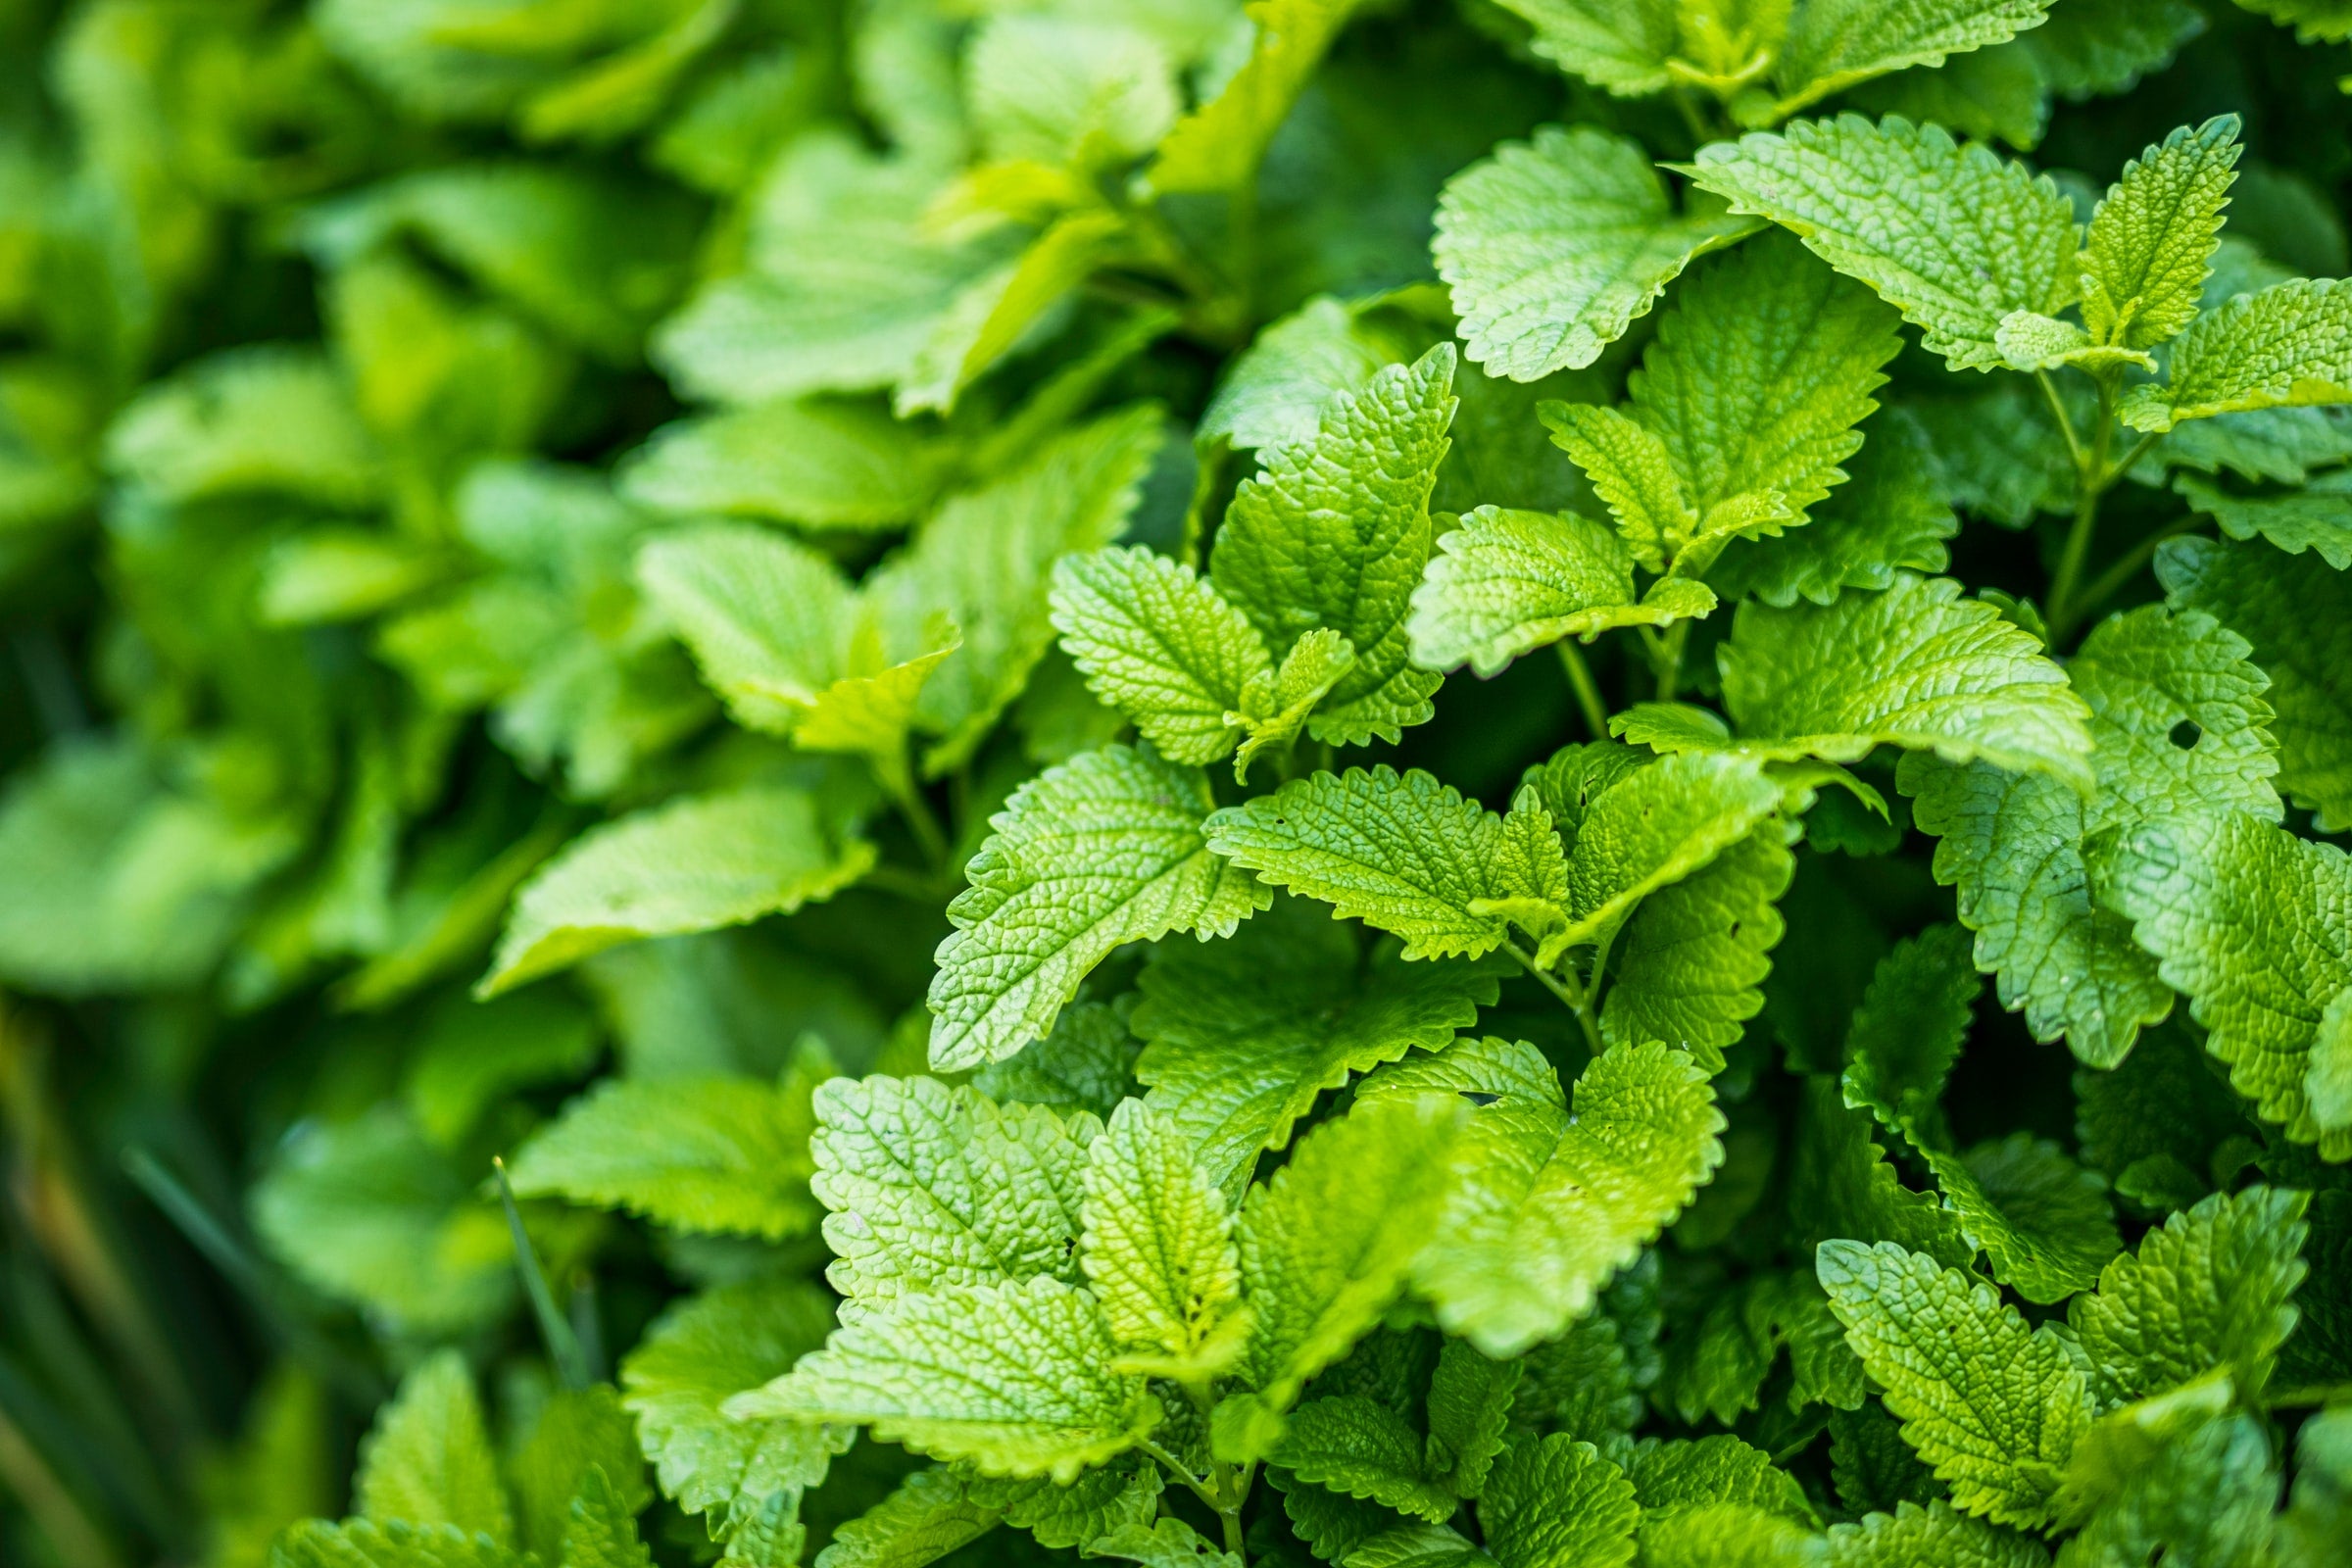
(349, 350)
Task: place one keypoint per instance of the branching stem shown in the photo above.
(1566, 988)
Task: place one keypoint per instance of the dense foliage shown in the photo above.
(990, 781)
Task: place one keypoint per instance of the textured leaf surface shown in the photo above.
(931, 1513)
(365, 1544)
(2289, 346)
(1218, 146)
(1836, 44)
(429, 1460)
(2042, 1221)
(1243, 1036)
(705, 1352)
(1015, 1378)
(1656, 826)
(694, 864)
(1361, 1448)
(1994, 1407)
(1335, 534)
(930, 1185)
(1553, 247)
(2296, 617)
(2013, 843)
(1552, 1201)
(1161, 646)
(1892, 516)
(1952, 236)
(2317, 517)
(1156, 1242)
(1690, 963)
(1402, 853)
(1558, 1503)
(2150, 247)
(2210, 1288)
(1933, 1533)
(1104, 850)
(1916, 667)
(1506, 581)
(1327, 1243)
(2254, 925)
(713, 1155)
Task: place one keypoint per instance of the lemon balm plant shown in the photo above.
(1177, 782)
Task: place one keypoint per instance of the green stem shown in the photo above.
(899, 882)
(907, 795)
(563, 1344)
(2091, 478)
(2107, 584)
(1566, 989)
(1588, 693)
(1670, 659)
(2066, 422)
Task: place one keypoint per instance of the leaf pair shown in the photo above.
(2005, 1414)
(1741, 416)
(966, 1231)
(1317, 559)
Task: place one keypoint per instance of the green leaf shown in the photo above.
(1017, 1378)
(1553, 247)
(2295, 617)
(2317, 517)
(2322, 1507)
(1893, 516)
(1163, 646)
(1504, 581)
(843, 287)
(696, 864)
(1952, 236)
(1218, 146)
(1273, 391)
(2014, 842)
(1656, 826)
(1670, 1476)
(984, 559)
(1690, 963)
(2289, 346)
(1621, 45)
(263, 418)
(1085, 1064)
(1157, 1239)
(1104, 850)
(363, 1543)
(1048, 92)
(2157, 1125)
(1558, 1503)
(2254, 926)
(1875, 1469)
(709, 1155)
(1840, 1184)
(989, 316)
(1994, 1407)
(1835, 44)
(779, 632)
(930, 1514)
(2150, 247)
(1403, 854)
(1469, 1409)
(1362, 1449)
(603, 1531)
(703, 1352)
(1123, 1493)
(822, 464)
(1243, 1036)
(1755, 383)
(2209, 1288)
(2198, 1486)
(2041, 1220)
(1909, 1032)
(1634, 472)
(1552, 1201)
(372, 1211)
(1725, 1535)
(1913, 1535)
(930, 1187)
(1165, 1542)
(1327, 1243)
(1916, 667)
(429, 1461)
(1335, 534)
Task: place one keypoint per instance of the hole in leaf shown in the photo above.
(2187, 733)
